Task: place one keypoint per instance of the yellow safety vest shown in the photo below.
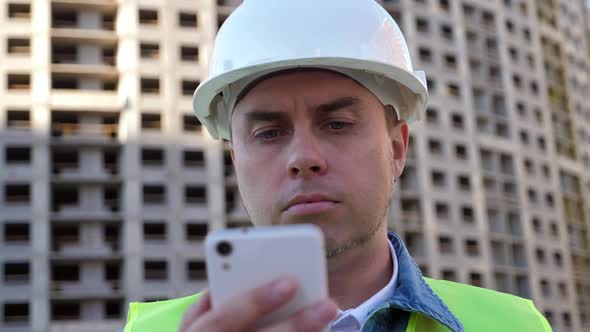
(478, 309)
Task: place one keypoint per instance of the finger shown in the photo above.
(197, 309)
(310, 319)
(245, 309)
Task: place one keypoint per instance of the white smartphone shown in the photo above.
(241, 259)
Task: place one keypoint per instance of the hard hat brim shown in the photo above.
(218, 124)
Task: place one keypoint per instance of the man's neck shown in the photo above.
(357, 275)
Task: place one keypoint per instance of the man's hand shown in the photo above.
(240, 313)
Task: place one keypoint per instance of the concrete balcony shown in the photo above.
(151, 66)
(412, 224)
(499, 199)
(16, 290)
(481, 78)
(150, 101)
(411, 217)
(17, 172)
(408, 190)
(16, 250)
(16, 326)
(85, 252)
(77, 289)
(74, 34)
(19, 62)
(157, 211)
(190, 36)
(157, 289)
(86, 134)
(479, 24)
(478, 50)
(198, 173)
(91, 100)
(87, 219)
(100, 70)
(17, 26)
(16, 211)
(16, 96)
(195, 69)
(74, 212)
(157, 249)
(196, 210)
(96, 5)
(67, 173)
(196, 248)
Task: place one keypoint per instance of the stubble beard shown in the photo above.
(334, 250)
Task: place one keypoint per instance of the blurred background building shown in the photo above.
(109, 184)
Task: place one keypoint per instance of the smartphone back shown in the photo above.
(241, 259)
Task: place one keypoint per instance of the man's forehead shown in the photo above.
(282, 74)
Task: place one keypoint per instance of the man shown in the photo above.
(315, 98)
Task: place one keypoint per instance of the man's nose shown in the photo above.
(305, 157)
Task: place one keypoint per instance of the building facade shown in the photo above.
(109, 184)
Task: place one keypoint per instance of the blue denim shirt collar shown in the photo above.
(413, 294)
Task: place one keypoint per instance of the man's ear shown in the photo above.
(232, 153)
(400, 136)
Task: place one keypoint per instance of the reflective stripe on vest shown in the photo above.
(478, 309)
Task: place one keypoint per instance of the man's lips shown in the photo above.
(309, 204)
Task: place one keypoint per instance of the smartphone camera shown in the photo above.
(224, 248)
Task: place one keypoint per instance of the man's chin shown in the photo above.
(333, 236)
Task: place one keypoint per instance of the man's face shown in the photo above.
(314, 147)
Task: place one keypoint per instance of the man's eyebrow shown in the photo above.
(338, 104)
(263, 115)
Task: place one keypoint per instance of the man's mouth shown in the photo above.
(310, 204)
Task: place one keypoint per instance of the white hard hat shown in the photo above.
(357, 38)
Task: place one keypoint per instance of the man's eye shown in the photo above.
(268, 134)
(338, 125)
